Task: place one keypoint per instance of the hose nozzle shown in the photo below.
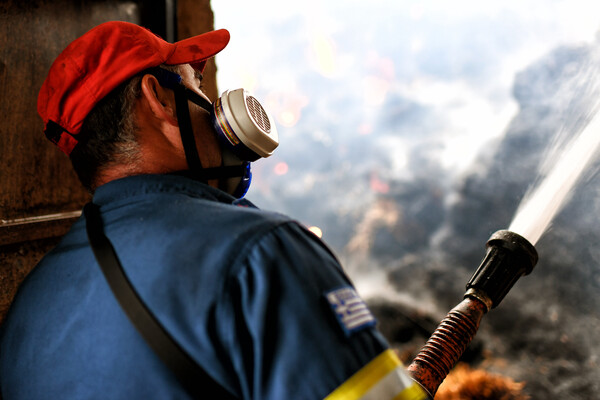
(509, 256)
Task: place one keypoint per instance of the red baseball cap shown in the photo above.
(99, 61)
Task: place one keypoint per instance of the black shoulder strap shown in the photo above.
(195, 380)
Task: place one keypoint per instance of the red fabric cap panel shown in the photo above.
(198, 48)
(106, 56)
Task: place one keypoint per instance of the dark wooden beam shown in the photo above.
(34, 228)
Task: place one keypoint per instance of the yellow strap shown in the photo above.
(413, 392)
(367, 377)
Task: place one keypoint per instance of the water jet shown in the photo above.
(542, 204)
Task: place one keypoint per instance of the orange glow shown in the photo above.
(317, 231)
(286, 106)
(289, 117)
(377, 185)
(281, 168)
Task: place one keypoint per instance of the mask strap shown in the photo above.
(186, 131)
(182, 93)
(197, 99)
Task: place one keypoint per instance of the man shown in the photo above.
(256, 301)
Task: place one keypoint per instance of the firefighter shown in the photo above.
(258, 305)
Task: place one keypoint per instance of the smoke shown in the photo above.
(395, 91)
(410, 132)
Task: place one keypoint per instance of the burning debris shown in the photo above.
(466, 383)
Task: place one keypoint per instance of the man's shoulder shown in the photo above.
(159, 203)
(187, 213)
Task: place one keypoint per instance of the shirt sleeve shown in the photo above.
(296, 328)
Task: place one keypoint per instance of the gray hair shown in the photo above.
(109, 133)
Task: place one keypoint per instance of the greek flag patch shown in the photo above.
(351, 311)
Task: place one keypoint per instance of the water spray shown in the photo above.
(509, 256)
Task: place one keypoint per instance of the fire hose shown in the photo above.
(509, 256)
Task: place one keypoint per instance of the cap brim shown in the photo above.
(198, 49)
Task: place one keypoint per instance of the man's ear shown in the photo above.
(161, 101)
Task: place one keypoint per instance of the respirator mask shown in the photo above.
(246, 132)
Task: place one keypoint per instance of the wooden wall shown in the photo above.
(40, 195)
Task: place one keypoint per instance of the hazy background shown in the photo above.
(410, 132)
(366, 93)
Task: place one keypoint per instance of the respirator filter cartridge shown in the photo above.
(243, 126)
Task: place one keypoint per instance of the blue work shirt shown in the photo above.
(253, 297)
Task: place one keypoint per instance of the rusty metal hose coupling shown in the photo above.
(509, 256)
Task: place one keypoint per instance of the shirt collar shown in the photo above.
(131, 186)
